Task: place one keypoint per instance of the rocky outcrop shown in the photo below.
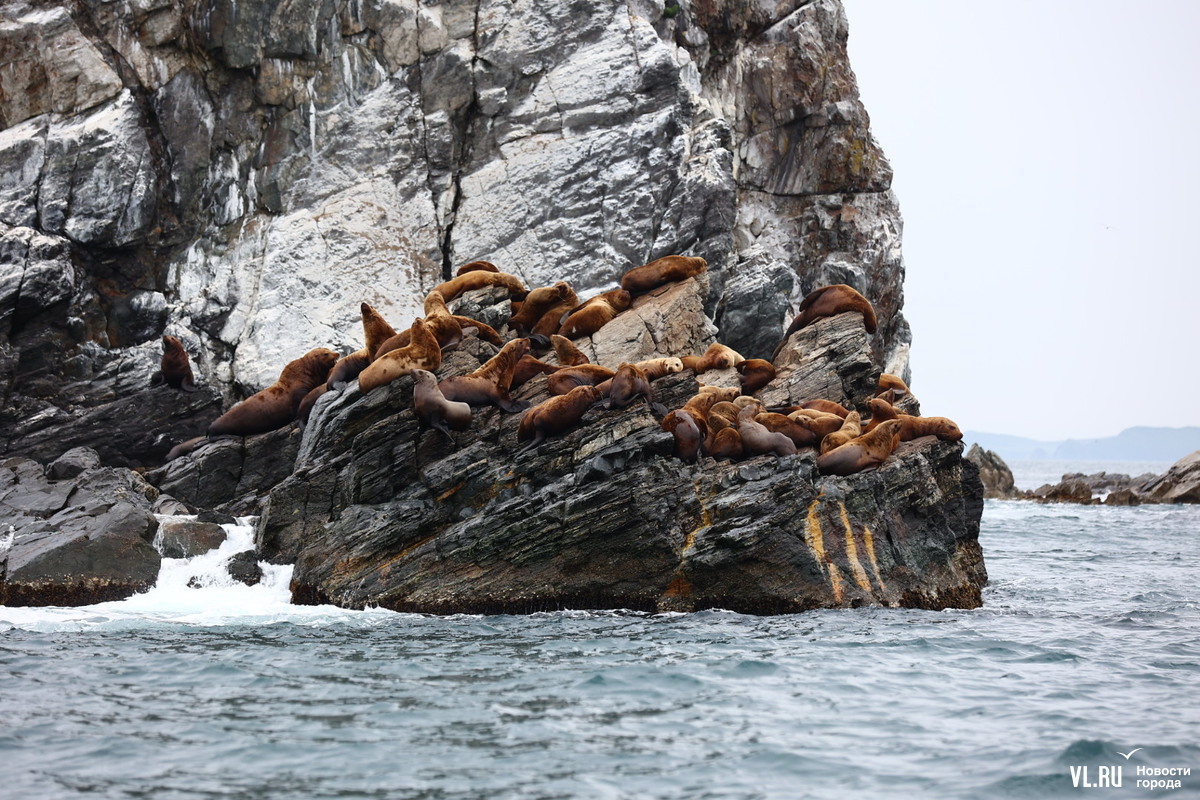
(243, 175)
(1181, 483)
(995, 475)
(74, 533)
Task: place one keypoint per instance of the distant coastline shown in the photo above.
(1132, 444)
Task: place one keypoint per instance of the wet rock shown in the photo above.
(243, 567)
(73, 462)
(184, 538)
(829, 359)
(997, 478)
(1181, 483)
(77, 540)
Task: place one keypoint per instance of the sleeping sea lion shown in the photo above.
(661, 271)
(828, 301)
(479, 279)
(276, 406)
(862, 452)
(851, 428)
(555, 416)
(595, 313)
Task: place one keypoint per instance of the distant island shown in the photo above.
(1132, 444)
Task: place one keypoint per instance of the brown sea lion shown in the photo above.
(688, 440)
(656, 368)
(662, 271)
(567, 378)
(441, 322)
(828, 406)
(755, 374)
(828, 301)
(540, 302)
(629, 384)
(566, 352)
(376, 331)
(175, 369)
(881, 411)
(528, 368)
(276, 406)
(490, 384)
(890, 382)
(595, 313)
(555, 416)
(862, 452)
(851, 428)
(480, 279)
(477, 266)
(717, 356)
(912, 427)
(310, 399)
(725, 409)
(799, 432)
(421, 352)
(818, 422)
(726, 445)
(433, 409)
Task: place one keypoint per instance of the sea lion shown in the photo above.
(755, 374)
(912, 427)
(726, 445)
(798, 431)
(554, 416)
(630, 383)
(175, 368)
(490, 384)
(881, 411)
(566, 352)
(480, 279)
(527, 369)
(656, 368)
(828, 301)
(184, 448)
(717, 356)
(818, 422)
(542, 302)
(890, 382)
(376, 331)
(276, 406)
(595, 313)
(421, 352)
(851, 428)
(433, 409)
(828, 406)
(441, 322)
(660, 271)
(680, 425)
(725, 409)
(310, 399)
(567, 378)
(862, 452)
(477, 266)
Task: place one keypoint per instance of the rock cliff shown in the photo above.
(243, 173)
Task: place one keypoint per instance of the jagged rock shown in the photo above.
(668, 321)
(995, 475)
(1123, 497)
(76, 541)
(184, 538)
(1065, 491)
(72, 463)
(1181, 483)
(243, 567)
(230, 475)
(829, 359)
(754, 305)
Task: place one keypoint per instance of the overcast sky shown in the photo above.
(1047, 160)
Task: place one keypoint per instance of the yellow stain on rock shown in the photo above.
(856, 567)
(869, 543)
(813, 536)
(837, 582)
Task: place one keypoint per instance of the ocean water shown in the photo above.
(1087, 648)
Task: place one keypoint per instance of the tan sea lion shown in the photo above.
(881, 411)
(538, 302)
(890, 382)
(656, 368)
(595, 313)
(480, 279)
(555, 416)
(566, 352)
(477, 266)
(441, 322)
(376, 331)
(818, 422)
(567, 378)
(726, 445)
(717, 356)
(851, 428)
(862, 452)
(828, 301)
(799, 432)
(527, 369)
(912, 427)
(421, 352)
(662, 271)
(276, 406)
(433, 409)
(755, 374)
(828, 406)
(688, 440)
(490, 384)
(757, 440)
(175, 369)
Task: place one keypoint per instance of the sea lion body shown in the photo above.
(656, 368)
(442, 324)
(175, 367)
(828, 406)
(477, 266)
(800, 434)
(276, 406)
(481, 279)
(828, 301)
(527, 369)
(913, 427)
(595, 313)
(566, 352)
(717, 356)
(567, 378)
(881, 411)
(820, 423)
(629, 384)
(555, 416)
(755, 374)
(433, 409)
(662, 271)
(542, 302)
(851, 428)
(862, 452)
(421, 352)
(726, 445)
(376, 331)
(686, 432)
(490, 384)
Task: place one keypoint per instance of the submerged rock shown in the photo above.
(82, 539)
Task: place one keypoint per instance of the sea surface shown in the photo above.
(1087, 648)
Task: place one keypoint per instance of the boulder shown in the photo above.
(243, 567)
(184, 538)
(78, 540)
(829, 359)
(997, 478)
(1181, 483)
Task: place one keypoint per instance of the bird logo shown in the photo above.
(1127, 755)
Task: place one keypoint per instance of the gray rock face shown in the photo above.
(1181, 484)
(997, 478)
(245, 174)
(184, 538)
(82, 539)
